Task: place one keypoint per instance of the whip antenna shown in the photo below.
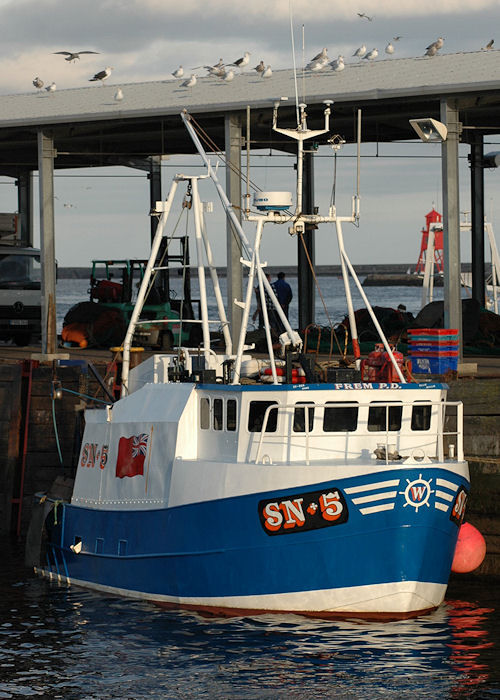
(294, 64)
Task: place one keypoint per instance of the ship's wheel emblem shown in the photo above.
(417, 493)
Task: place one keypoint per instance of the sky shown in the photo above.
(104, 212)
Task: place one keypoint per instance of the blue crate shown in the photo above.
(433, 365)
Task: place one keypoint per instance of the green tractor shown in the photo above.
(114, 284)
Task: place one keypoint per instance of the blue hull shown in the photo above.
(222, 548)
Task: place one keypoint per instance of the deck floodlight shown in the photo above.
(491, 160)
(429, 130)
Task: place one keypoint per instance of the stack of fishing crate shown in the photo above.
(433, 350)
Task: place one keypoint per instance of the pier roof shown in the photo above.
(91, 128)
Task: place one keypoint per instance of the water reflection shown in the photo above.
(62, 643)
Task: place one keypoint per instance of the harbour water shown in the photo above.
(73, 644)
(76, 645)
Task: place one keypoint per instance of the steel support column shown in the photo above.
(46, 155)
(233, 140)
(451, 220)
(24, 184)
(477, 217)
(305, 281)
(154, 177)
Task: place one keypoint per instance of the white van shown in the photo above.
(20, 294)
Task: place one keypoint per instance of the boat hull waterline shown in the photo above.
(219, 555)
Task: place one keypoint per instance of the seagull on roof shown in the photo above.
(51, 88)
(267, 73)
(371, 55)
(433, 48)
(179, 73)
(364, 16)
(102, 75)
(218, 70)
(321, 56)
(488, 46)
(359, 53)
(338, 64)
(227, 75)
(316, 66)
(190, 82)
(118, 96)
(389, 49)
(260, 68)
(72, 55)
(38, 83)
(241, 62)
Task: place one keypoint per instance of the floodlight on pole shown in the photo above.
(430, 130)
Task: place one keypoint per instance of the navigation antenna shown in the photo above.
(290, 12)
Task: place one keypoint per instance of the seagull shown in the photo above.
(38, 83)
(51, 88)
(260, 68)
(488, 46)
(371, 55)
(218, 70)
(359, 53)
(389, 49)
(190, 82)
(321, 56)
(267, 73)
(396, 38)
(433, 48)
(118, 95)
(72, 55)
(338, 64)
(316, 65)
(227, 75)
(241, 62)
(364, 16)
(102, 75)
(179, 73)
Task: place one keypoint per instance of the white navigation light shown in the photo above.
(272, 201)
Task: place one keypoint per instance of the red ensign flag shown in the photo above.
(131, 455)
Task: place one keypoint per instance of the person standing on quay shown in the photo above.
(283, 292)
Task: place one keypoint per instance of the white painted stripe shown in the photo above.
(445, 496)
(446, 484)
(398, 596)
(377, 509)
(441, 506)
(372, 487)
(375, 497)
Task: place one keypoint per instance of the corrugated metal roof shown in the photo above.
(363, 81)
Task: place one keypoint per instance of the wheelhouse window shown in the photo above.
(218, 407)
(421, 416)
(204, 413)
(382, 417)
(256, 413)
(299, 417)
(340, 418)
(231, 414)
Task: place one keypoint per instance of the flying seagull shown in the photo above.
(359, 53)
(396, 38)
(364, 16)
(38, 83)
(102, 75)
(241, 62)
(179, 73)
(72, 55)
(489, 45)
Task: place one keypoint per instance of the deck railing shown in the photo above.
(386, 440)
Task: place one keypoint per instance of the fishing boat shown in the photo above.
(233, 484)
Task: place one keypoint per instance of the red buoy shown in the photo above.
(470, 550)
